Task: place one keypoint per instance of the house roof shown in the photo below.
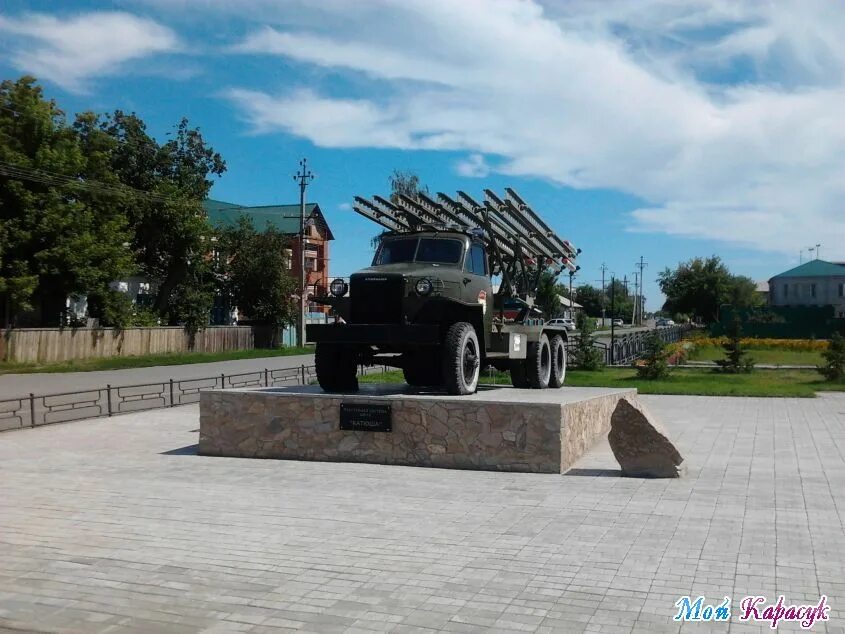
(564, 301)
(284, 218)
(814, 268)
(762, 286)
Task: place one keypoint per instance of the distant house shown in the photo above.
(814, 283)
(762, 290)
(569, 308)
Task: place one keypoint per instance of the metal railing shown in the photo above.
(35, 410)
(625, 349)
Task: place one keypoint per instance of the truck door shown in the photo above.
(476, 283)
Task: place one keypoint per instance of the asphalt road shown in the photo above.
(17, 385)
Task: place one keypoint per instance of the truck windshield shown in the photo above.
(434, 250)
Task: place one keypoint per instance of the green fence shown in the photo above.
(781, 322)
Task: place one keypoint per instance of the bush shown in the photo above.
(654, 363)
(587, 357)
(834, 356)
(736, 356)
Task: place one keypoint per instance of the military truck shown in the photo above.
(427, 303)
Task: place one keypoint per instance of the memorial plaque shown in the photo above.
(365, 417)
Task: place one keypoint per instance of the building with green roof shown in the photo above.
(814, 283)
(286, 219)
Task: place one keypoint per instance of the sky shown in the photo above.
(666, 129)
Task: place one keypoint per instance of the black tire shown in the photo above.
(337, 368)
(519, 375)
(557, 347)
(538, 363)
(422, 369)
(461, 359)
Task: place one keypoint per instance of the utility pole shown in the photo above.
(304, 177)
(641, 265)
(571, 300)
(634, 312)
(612, 312)
(818, 249)
(603, 269)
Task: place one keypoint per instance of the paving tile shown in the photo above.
(102, 530)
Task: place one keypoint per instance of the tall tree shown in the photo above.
(548, 295)
(169, 226)
(402, 183)
(701, 285)
(61, 237)
(405, 183)
(591, 299)
(254, 271)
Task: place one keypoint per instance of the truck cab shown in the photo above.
(403, 308)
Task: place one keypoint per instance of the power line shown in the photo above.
(46, 177)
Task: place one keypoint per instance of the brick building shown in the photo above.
(285, 218)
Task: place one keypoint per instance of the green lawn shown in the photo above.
(769, 356)
(802, 383)
(122, 363)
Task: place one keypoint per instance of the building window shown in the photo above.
(842, 290)
(288, 259)
(785, 291)
(812, 290)
(310, 264)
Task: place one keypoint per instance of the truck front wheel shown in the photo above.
(461, 359)
(337, 368)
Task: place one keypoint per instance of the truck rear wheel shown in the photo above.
(558, 352)
(337, 368)
(422, 369)
(461, 359)
(538, 363)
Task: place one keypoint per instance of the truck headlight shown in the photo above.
(338, 287)
(423, 286)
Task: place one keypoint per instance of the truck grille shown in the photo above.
(376, 299)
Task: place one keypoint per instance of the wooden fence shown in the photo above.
(46, 345)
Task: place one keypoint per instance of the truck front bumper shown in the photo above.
(396, 335)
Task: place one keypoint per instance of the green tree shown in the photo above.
(701, 285)
(620, 304)
(587, 356)
(405, 183)
(255, 275)
(591, 299)
(60, 237)
(168, 225)
(736, 356)
(834, 356)
(548, 295)
(654, 365)
(402, 183)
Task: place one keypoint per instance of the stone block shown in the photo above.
(504, 429)
(640, 444)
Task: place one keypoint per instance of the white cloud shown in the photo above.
(70, 52)
(723, 115)
(474, 166)
(344, 206)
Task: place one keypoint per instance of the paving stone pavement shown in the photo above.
(114, 525)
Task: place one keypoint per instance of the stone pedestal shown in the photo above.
(498, 428)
